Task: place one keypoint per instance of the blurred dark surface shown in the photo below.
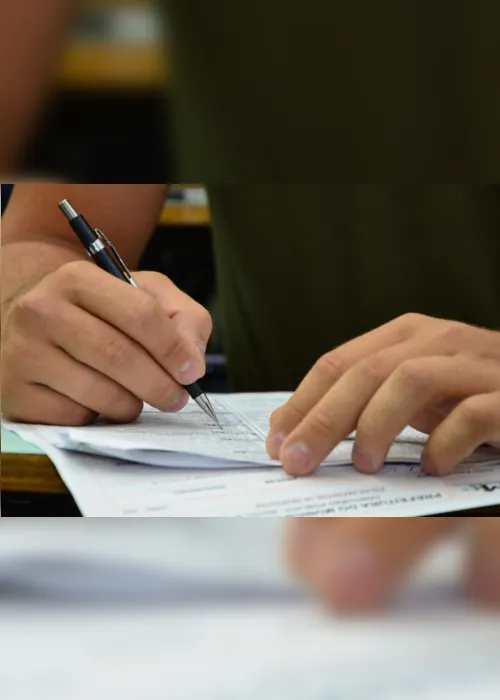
(5, 191)
(106, 138)
(26, 505)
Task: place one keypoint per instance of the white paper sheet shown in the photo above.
(105, 487)
(215, 479)
(190, 439)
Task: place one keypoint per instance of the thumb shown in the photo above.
(189, 317)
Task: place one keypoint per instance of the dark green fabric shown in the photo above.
(355, 90)
(351, 91)
(303, 268)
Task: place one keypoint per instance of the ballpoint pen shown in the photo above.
(105, 255)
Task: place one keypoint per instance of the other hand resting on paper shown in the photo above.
(82, 343)
(441, 377)
(358, 563)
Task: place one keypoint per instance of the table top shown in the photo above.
(30, 473)
(101, 66)
(184, 215)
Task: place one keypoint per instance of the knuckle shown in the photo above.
(330, 364)
(372, 368)
(367, 426)
(454, 332)
(127, 412)
(155, 278)
(68, 273)
(117, 352)
(411, 372)
(204, 319)
(321, 423)
(173, 346)
(289, 415)
(32, 306)
(145, 314)
(78, 416)
(119, 405)
(109, 399)
(475, 412)
(95, 391)
(162, 394)
(411, 319)
(276, 418)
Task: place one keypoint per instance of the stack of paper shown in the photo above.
(114, 470)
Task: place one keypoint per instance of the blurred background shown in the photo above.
(195, 609)
(108, 120)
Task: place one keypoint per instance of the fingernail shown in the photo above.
(363, 461)
(355, 579)
(274, 444)
(189, 372)
(297, 457)
(351, 563)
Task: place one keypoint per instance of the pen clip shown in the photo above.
(118, 260)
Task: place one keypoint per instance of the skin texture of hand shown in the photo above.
(82, 343)
(357, 564)
(440, 377)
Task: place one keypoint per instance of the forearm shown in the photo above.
(37, 240)
(32, 36)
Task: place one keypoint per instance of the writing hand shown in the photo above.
(82, 343)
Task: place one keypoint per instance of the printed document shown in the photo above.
(183, 465)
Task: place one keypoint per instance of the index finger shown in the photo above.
(139, 316)
(326, 372)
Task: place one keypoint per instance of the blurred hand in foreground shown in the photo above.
(357, 564)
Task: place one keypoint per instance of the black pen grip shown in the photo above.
(194, 390)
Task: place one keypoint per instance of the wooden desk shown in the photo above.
(102, 66)
(30, 474)
(184, 215)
